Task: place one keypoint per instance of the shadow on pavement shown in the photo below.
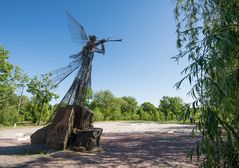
(127, 150)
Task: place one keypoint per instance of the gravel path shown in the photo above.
(124, 144)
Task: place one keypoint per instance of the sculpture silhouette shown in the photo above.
(72, 122)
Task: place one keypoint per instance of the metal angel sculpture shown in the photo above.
(82, 62)
(71, 124)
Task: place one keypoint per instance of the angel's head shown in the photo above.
(92, 38)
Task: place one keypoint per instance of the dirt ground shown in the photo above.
(124, 144)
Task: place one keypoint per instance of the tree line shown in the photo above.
(16, 107)
(108, 107)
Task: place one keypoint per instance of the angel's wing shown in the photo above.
(58, 75)
(77, 31)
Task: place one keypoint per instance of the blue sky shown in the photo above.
(35, 32)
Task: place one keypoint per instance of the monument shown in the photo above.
(72, 123)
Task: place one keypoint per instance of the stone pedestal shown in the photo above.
(60, 129)
(86, 139)
(71, 128)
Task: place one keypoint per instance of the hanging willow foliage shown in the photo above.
(208, 36)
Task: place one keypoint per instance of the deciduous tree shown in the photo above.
(171, 107)
(208, 35)
(41, 89)
(5, 75)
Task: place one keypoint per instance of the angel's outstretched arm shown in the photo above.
(100, 50)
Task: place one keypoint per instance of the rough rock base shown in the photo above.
(71, 128)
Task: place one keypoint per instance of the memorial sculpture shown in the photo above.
(72, 123)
